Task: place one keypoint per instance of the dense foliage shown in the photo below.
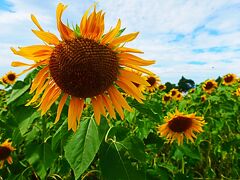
(128, 149)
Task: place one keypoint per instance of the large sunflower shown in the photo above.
(177, 125)
(5, 152)
(84, 63)
(209, 86)
(229, 79)
(153, 81)
(9, 78)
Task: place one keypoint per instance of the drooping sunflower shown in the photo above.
(5, 152)
(154, 81)
(84, 64)
(178, 124)
(209, 86)
(9, 78)
(162, 87)
(174, 92)
(229, 79)
(166, 98)
(203, 98)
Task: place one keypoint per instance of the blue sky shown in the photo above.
(197, 39)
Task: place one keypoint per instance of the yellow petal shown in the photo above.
(133, 77)
(96, 110)
(79, 106)
(109, 106)
(35, 21)
(60, 107)
(131, 59)
(129, 91)
(34, 52)
(101, 105)
(17, 64)
(112, 34)
(116, 104)
(125, 49)
(47, 37)
(120, 98)
(123, 39)
(65, 32)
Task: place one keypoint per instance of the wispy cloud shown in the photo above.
(197, 39)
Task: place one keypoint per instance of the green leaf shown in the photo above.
(18, 90)
(135, 147)
(178, 155)
(190, 152)
(25, 117)
(59, 134)
(40, 157)
(146, 110)
(82, 147)
(115, 165)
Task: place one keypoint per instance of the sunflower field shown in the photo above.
(88, 110)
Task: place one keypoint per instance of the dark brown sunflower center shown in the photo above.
(166, 98)
(228, 79)
(180, 124)
(209, 85)
(203, 98)
(174, 93)
(161, 87)
(136, 84)
(151, 81)
(4, 153)
(83, 68)
(11, 77)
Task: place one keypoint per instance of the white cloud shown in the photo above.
(159, 23)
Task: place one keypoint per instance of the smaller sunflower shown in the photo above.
(179, 96)
(192, 90)
(209, 86)
(154, 81)
(5, 151)
(178, 124)
(9, 78)
(237, 92)
(174, 92)
(162, 87)
(3, 79)
(203, 98)
(166, 98)
(229, 79)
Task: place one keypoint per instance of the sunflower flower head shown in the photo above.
(166, 98)
(192, 90)
(90, 64)
(237, 92)
(209, 86)
(174, 92)
(162, 87)
(179, 96)
(203, 98)
(9, 78)
(178, 125)
(5, 152)
(153, 81)
(229, 79)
